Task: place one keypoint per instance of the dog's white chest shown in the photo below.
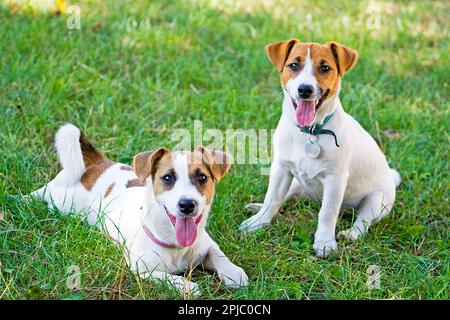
(183, 260)
(311, 185)
(308, 177)
(306, 171)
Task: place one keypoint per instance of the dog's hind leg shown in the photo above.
(38, 194)
(374, 207)
(65, 198)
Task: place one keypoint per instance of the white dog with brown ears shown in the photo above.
(158, 211)
(320, 151)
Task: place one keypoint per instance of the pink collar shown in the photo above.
(159, 242)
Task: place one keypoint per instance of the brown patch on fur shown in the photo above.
(95, 163)
(134, 183)
(108, 191)
(337, 57)
(126, 168)
(217, 162)
(213, 164)
(278, 52)
(345, 57)
(162, 167)
(91, 155)
(145, 163)
(93, 172)
(196, 167)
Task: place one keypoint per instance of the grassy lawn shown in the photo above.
(136, 71)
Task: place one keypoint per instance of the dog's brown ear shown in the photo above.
(144, 163)
(219, 162)
(278, 52)
(345, 57)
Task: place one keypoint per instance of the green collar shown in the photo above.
(317, 129)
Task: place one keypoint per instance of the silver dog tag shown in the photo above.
(312, 149)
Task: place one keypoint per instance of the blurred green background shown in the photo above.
(137, 70)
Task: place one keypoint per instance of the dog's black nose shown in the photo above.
(187, 206)
(305, 91)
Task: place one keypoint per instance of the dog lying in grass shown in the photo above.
(320, 151)
(157, 210)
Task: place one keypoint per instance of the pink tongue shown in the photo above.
(185, 231)
(305, 112)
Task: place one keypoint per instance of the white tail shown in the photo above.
(396, 177)
(67, 143)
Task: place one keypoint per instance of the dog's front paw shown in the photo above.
(189, 288)
(234, 277)
(323, 248)
(254, 223)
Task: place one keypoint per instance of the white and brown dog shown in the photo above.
(320, 151)
(158, 211)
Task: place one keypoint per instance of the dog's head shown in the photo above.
(310, 73)
(183, 183)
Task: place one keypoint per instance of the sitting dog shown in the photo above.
(320, 151)
(158, 211)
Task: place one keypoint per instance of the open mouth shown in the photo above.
(185, 228)
(305, 110)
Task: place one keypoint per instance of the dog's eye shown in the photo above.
(168, 179)
(202, 178)
(324, 68)
(294, 66)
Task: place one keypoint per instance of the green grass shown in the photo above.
(129, 87)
